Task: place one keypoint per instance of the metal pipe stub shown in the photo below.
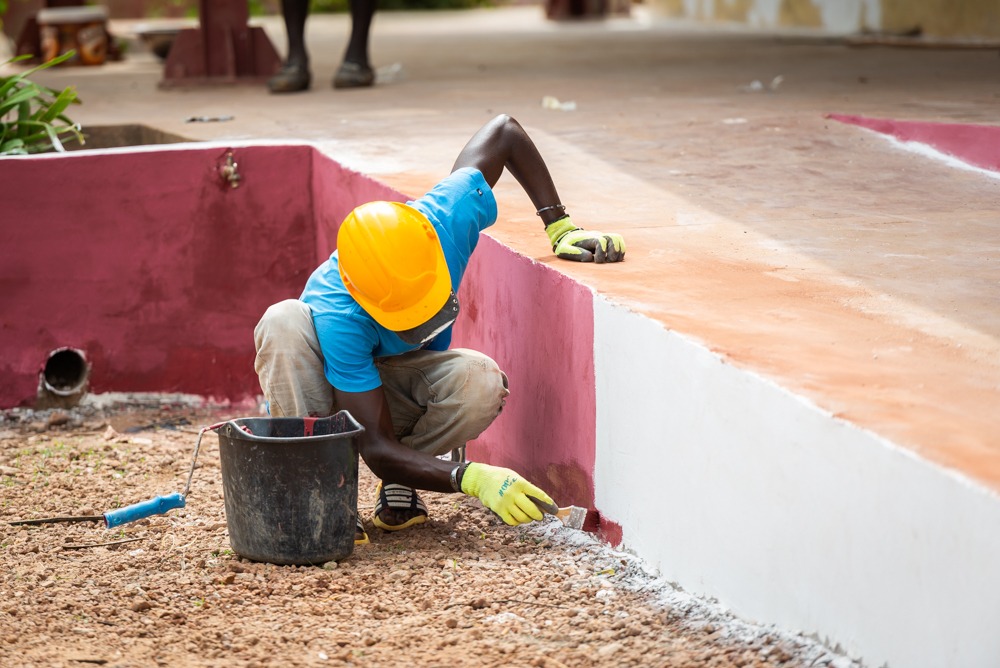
(63, 379)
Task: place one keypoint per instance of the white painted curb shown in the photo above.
(740, 490)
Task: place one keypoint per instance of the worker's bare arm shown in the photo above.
(503, 143)
(389, 459)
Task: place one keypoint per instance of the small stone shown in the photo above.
(141, 606)
(330, 566)
(609, 650)
(58, 418)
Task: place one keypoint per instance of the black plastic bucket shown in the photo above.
(291, 487)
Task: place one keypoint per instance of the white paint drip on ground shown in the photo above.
(618, 569)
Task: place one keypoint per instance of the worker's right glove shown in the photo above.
(570, 242)
(504, 492)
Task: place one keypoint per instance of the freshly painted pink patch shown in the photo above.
(977, 145)
(610, 532)
(538, 325)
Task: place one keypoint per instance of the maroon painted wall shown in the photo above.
(336, 190)
(151, 264)
(538, 324)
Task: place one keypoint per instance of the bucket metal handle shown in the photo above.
(194, 458)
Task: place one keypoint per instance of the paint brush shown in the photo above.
(574, 517)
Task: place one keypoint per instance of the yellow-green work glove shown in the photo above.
(504, 492)
(569, 242)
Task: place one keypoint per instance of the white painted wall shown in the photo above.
(838, 16)
(739, 490)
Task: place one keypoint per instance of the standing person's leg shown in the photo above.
(356, 70)
(294, 74)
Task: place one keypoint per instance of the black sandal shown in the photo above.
(290, 79)
(354, 75)
(360, 535)
(400, 500)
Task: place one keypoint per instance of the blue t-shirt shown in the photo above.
(459, 207)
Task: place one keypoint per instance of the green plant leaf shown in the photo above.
(54, 138)
(39, 140)
(15, 100)
(23, 115)
(12, 147)
(59, 105)
(32, 116)
(9, 82)
(31, 132)
(74, 131)
(47, 64)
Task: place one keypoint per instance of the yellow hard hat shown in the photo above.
(392, 263)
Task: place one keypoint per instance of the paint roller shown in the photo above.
(160, 505)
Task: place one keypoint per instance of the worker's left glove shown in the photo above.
(569, 242)
(504, 492)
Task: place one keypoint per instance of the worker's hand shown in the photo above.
(504, 492)
(572, 243)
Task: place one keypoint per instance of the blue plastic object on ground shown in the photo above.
(143, 509)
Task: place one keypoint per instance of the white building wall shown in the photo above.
(837, 16)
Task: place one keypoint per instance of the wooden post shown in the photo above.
(222, 50)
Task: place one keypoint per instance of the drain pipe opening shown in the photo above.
(63, 379)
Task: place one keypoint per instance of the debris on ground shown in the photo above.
(757, 86)
(550, 102)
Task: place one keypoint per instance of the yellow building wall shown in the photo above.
(934, 18)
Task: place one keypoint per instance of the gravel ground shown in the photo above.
(461, 590)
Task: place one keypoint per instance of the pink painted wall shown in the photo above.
(977, 145)
(336, 190)
(151, 264)
(539, 326)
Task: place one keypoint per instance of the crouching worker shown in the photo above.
(371, 332)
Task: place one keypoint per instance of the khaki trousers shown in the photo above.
(439, 400)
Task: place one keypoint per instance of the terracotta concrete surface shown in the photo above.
(849, 270)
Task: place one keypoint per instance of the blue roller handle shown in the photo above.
(137, 511)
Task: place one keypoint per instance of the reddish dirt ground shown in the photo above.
(461, 590)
